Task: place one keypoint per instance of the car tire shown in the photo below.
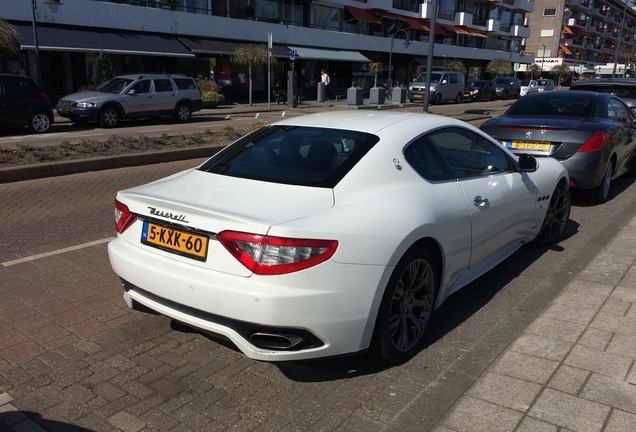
(437, 99)
(458, 98)
(556, 217)
(406, 308)
(518, 95)
(183, 113)
(600, 193)
(40, 122)
(109, 117)
(493, 97)
(505, 95)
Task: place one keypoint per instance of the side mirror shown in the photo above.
(527, 163)
(131, 92)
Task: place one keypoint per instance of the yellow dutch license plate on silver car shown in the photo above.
(529, 145)
(175, 241)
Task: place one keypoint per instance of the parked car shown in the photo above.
(134, 96)
(269, 243)
(624, 88)
(529, 86)
(592, 134)
(507, 87)
(23, 104)
(546, 84)
(479, 90)
(445, 86)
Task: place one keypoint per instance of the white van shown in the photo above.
(445, 86)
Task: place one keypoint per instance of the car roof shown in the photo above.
(605, 81)
(150, 75)
(372, 121)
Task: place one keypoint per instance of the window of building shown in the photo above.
(547, 33)
(549, 12)
(325, 17)
(407, 5)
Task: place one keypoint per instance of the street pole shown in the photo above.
(406, 45)
(542, 60)
(38, 64)
(429, 60)
(618, 45)
(269, 70)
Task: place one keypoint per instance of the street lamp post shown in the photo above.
(406, 45)
(429, 59)
(542, 60)
(53, 5)
(620, 36)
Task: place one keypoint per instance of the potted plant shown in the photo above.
(210, 94)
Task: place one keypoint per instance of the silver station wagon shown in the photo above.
(134, 96)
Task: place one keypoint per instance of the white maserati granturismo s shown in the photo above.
(333, 233)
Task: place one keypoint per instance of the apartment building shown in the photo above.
(198, 37)
(584, 35)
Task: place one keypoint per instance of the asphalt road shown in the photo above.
(71, 353)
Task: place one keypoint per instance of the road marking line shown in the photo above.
(56, 252)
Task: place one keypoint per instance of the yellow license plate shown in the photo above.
(529, 145)
(417, 96)
(64, 111)
(174, 240)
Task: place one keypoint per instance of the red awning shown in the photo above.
(566, 49)
(363, 14)
(463, 30)
(414, 23)
(567, 30)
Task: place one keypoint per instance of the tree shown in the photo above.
(628, 54)
(103, 68)
(455, 65)
(376, 68)
(9, 45)
(251, 56)
(559, 71)
(533, 69)
(499, 66)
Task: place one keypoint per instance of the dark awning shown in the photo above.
(221, 47)
(363, 14)
(414, 23)
(93, 40)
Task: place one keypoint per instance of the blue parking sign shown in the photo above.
(292, 54)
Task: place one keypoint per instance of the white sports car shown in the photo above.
(333, 233)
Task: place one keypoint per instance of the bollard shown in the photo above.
(322, 92)
(354, 96)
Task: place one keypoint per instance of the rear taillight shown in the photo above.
(595, 143)
(123, 217)
(268, 255)
(44, 95)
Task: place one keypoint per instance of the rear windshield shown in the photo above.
(623, 91)
(298, 155)
(559, 104)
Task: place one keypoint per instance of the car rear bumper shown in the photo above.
(333, 305)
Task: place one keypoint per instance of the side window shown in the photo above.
(426, 160)
(453, 78)
(618, 111)
(163, 85)
(469, 154)
(142, 86)
(185, 83)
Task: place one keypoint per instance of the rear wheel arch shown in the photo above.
(407, 303)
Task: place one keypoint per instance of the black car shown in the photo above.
(507, 87)
(23, 104)
(479, 90)
(592, 134)
(624, 88)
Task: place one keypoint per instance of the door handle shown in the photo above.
(480, 201)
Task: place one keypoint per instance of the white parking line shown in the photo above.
(56, 252)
